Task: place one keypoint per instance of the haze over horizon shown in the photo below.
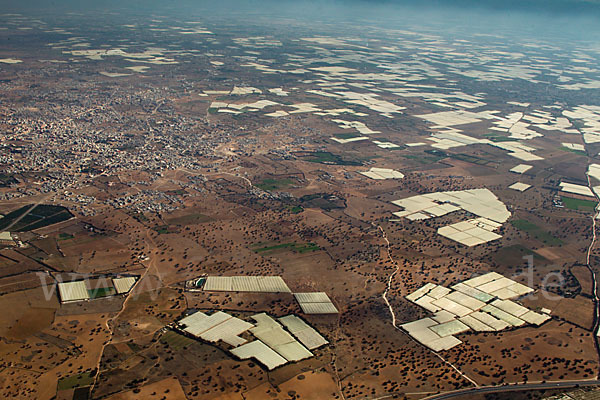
(308, 200)
(561, 17)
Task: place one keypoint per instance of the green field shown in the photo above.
(65, 236)
(423, 159)
(74, 381)
(498, 138)
(275, 184)
(39, 217)
(101, 292)
(326, 157)
(470, 159)
(200, 282)
(536, 232)
(429, 156)
(578, 204)
(512, 256)
(295, 209)
(162, 229)
(175, 340)
(295, 247)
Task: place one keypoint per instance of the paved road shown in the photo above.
(514, 388)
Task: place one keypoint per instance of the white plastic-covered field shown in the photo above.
(315, 303)
(305, 333)
(349, 140)
(359, 126)
(521, 168)
(124, 284)
(574, 146)
(481, 202)
(260, 352)
(576, 189)
(590, 116)
(594, 171)
(216, 327)
(382, 173)
(274, 344)
(265, 284)
(519, 186)
(481, 304)
(10, 61)
(73, 291)
(270, 332)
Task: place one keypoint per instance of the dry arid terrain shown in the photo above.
(172, 148)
